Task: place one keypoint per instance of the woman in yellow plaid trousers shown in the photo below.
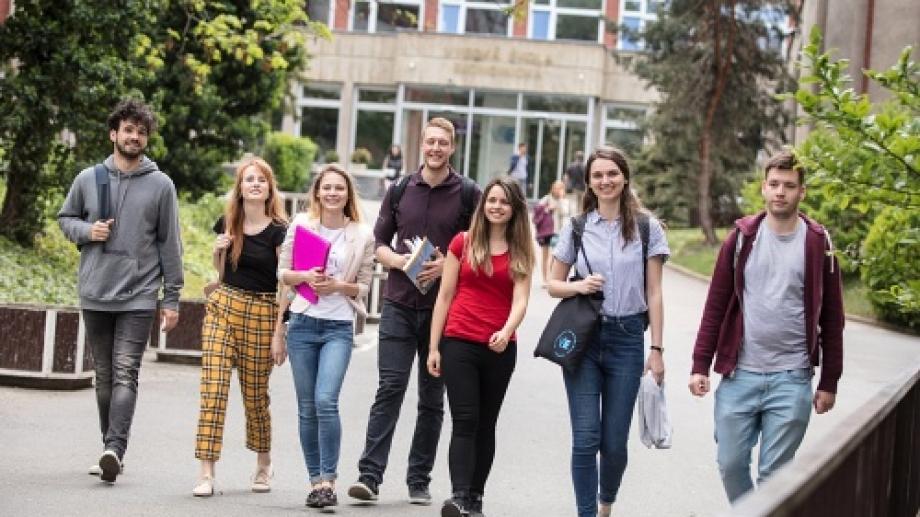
(241, 319)
(320, 335)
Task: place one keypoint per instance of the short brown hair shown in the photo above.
(442, 123)
(785, 161)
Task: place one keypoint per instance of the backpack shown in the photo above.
(642, 219)
(467, 199)
(102, 192)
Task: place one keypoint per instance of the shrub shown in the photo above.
(330, 156)
(361, 155)
(892, 260)
(291, 157)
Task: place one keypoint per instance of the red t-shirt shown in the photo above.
(481, 302)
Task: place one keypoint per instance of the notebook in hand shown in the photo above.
(310, 251)
(421, 250)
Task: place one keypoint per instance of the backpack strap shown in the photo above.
(468, 202)
(739, 242)
(396, 193)
(102, 190)
(644, 224)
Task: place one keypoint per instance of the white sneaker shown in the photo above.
(204, 487)
(95, 470)
(110, 466)
(261, 480)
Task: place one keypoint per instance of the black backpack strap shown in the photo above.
(102, 190)
(644, 224)
(468, 202)
(396, 193)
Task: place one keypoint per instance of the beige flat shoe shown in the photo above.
(261, 480)
(204, 487)
(603, 510)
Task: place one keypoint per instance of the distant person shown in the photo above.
(574, 177)
(518, 167)
(241, 318)
(437, 203)
(768, 331)
(321, 335)
(473, 346)
(560, 209)
(602, 392)
(129, 249)
(393, 164)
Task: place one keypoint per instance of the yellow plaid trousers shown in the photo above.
(237, 331)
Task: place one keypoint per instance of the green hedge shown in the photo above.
(890, 270)
(291, 157)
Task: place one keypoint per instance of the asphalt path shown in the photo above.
(49, 439)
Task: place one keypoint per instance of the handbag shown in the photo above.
(212, 286)
(575, 320)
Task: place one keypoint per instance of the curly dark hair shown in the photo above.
(135, 111)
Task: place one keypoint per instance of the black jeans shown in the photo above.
(476, 379)
(403, 334)
(118, 340)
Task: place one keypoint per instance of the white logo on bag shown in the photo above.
(565, 343)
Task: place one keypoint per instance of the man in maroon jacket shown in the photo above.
(773, 313)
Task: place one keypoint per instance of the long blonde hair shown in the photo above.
(517, 233)
(233, 211)
(351, 204)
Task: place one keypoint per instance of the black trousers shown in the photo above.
(476, 379)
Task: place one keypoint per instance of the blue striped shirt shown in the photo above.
(621, 267)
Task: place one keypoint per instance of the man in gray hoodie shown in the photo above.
(124, 260)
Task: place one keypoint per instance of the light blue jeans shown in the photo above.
(319, 350)
(774, 407)
(602, 394)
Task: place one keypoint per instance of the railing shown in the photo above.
(870, 467)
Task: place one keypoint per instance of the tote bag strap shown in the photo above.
(578, 230)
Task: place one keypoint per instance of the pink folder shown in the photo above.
(310, 251)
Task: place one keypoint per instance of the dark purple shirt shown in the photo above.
(423, 211)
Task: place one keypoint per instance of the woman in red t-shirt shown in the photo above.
(484, 290)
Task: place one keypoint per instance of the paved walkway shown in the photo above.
(49, 438)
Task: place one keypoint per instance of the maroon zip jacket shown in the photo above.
(722, 326)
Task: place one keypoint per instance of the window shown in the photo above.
(556, 103)
(634, 14)
(319, 109)
(386, 15)
(320, 11)
(622, 127)
(438, 95)
(475, 17)
(579, 20)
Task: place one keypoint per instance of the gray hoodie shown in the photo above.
(143, 251)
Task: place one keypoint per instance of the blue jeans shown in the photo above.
(403, 335)
(772, 406)
(319, 351)
(118, 341)
(602, 394)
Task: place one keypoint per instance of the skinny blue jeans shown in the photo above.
(773, 407)
(602, 394)
(319, 351)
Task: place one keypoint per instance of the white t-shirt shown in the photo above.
(333, 306)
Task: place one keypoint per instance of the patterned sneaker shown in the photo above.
(313, 499)
(419, 494)
(456, 506)
(365, 489)
(110, 466)
(327, 497)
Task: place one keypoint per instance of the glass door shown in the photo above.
(491, 146)
(544, 143)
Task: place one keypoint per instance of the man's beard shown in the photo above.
(131, 155)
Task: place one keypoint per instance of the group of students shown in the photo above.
(463, 332)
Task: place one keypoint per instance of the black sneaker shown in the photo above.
(313, 499)
(110, 466)
(365, 489)
(327, 497)
(475, 506)
(456, 506)
(419, 494)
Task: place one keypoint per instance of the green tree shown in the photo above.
(63, 65)
(864, 165)
(226, 65)
(714, 63)
(291, 158)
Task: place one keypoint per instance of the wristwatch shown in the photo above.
(660, 349)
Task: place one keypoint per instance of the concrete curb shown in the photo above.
(851, 317)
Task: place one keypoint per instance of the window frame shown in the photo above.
(372, 14)
(463, 6)
(554, 11)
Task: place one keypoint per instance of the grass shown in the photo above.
(688, 251)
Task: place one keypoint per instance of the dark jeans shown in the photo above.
(403, 334)
(476, 379)
(118, 340)
(602, 394)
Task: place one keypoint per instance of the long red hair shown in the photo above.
(234, 214)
